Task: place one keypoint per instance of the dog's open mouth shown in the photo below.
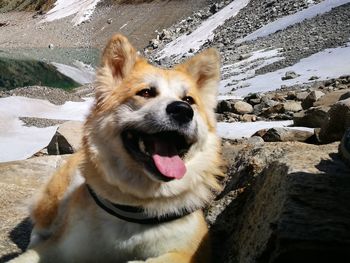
(161, 153)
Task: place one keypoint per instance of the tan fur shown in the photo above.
(70, 227)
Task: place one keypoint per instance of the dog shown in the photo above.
(149, 162)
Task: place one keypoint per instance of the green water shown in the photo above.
(28, 67)
(19, 73)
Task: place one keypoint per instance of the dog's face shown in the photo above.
(152, 131)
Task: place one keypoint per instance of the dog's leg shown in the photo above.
(173, 257)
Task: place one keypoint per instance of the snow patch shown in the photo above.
(329, 63)
(18, 142)
(284, 22)
(80, 73)
(203, 33)
(238, 130)
(234, 74)
(27, 107)
(82, 9)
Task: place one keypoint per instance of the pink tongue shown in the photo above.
(168, 161)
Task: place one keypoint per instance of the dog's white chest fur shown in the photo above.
(115, 240)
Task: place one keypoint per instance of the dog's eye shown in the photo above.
(147, 93)
(189, 100)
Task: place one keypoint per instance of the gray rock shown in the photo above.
(313, 96)
(18, 182)
(313, 117)
(331, 98)
(290, 75)
(293, 106)
(313, 78)
(224, 106)
(67, 138)
(286, 135)
(302, 95)
(247, 117)
(255, 140)
(283, 202)
(338, 121)
(242, 107)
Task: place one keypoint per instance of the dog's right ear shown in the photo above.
(118, 59)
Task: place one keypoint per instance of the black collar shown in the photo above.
(132, 214)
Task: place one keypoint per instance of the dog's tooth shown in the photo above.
(142, 146)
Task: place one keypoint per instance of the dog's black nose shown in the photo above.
(180, 111)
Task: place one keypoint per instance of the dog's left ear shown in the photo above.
(118, 59)
(205, 69)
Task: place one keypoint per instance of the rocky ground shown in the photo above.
(286, 191)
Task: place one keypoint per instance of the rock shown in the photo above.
(248, 118)
(311, 98)
(109, 21)
(344, 147)
(284, 202)
(18, 182)
(214, 8)
(290, 75)
(255, 140)
(67, 138)
(313, 117)
(330, 98)
(313, 78)
(165, 35)
(224, 106)
(154, 43)
(274, 109)
(242, 107)
(338, 121)
(51, 46)
(293, 106)
(286, 134)
(345, 96)
(244, 56)
(302, 95)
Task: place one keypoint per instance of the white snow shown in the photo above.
(238, 130)
(18, 142)
(27, 107)
(234, 74)
(298, 17)
(329, 63)
(80, 73)
(82, 9)
(204, 32)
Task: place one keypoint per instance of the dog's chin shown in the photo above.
(153, 151)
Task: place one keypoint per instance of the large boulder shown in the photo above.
(283, 202)
(337, 122)
(333, 97)
(314, 117)
(18, 182)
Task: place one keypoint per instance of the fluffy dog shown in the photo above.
(149, 162)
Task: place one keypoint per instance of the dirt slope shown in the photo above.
(138, 21)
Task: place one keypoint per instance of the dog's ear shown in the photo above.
(205, 69)
(118, 59)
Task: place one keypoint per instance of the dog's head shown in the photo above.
(152, 131)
